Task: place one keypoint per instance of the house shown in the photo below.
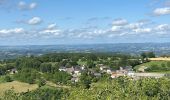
(102, 68)
(115, 75)
(75, 79)
(62, 69)
(131, 73)
(167, 75)
(122, 71)
(77, 71)
(13, 71)
(128, 68)
(109, 71)
(83, 67)
(70, 70)
(97, 74)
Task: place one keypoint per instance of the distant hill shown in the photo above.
(130, 48)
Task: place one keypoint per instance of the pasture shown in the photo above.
(18, 87)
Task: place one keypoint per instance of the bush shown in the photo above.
(41, 82)
(8, 79)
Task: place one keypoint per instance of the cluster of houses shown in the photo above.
(77, 70)
(74, 71)
(123, 71)
(128, 71)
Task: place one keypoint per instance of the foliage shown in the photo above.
(124, 88)
(156, 66)
(27, 75)
(41, 82)
(39, 94)
(8, 78)
(58, 77)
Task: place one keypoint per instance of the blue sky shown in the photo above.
(27, 22)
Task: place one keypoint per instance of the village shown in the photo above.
(76, 72)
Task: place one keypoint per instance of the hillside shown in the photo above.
(7, 52)
(155, 66)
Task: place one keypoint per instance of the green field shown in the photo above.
(2, 79)
(17, 86)
(156, 66)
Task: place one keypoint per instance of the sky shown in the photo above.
(50, 22)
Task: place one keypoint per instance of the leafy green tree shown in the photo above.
(90, 64)
(168, 64)
(41, 82)
(27, 75)
(151, 55)
(8, 78)
(45, 67)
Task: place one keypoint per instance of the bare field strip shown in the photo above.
(159, 59)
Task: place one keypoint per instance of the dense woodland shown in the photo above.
(39, 70)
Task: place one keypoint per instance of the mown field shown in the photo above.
(159, 59)
(156, 66)
(17, 86)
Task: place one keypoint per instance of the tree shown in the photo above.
(143, 56)
(90, 64)
(86, 79)
(168, 64)
(27, 75)
(150, 55)
(45, 67)
(61, 77)
(8, 78)
(41, 82)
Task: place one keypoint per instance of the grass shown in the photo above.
(82, 62)
(153, 62)
(18, 87)
(51, 84)
(158, 63)
(2, 79)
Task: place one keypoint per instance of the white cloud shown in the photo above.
(116, 28)
(163, 27)
(35, 21)
(120, 22)
(51, 30)
(33, 5)
(24, 6)
(6, 32)
(162, 11)
(143, 30)
(100, 32)
(135, 25)
(52, 26)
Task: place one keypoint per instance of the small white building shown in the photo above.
(63, 69)
(131, 73)
(108, 71)
(83, 67)
(75, 79)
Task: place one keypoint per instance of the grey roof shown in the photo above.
(97, 74)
